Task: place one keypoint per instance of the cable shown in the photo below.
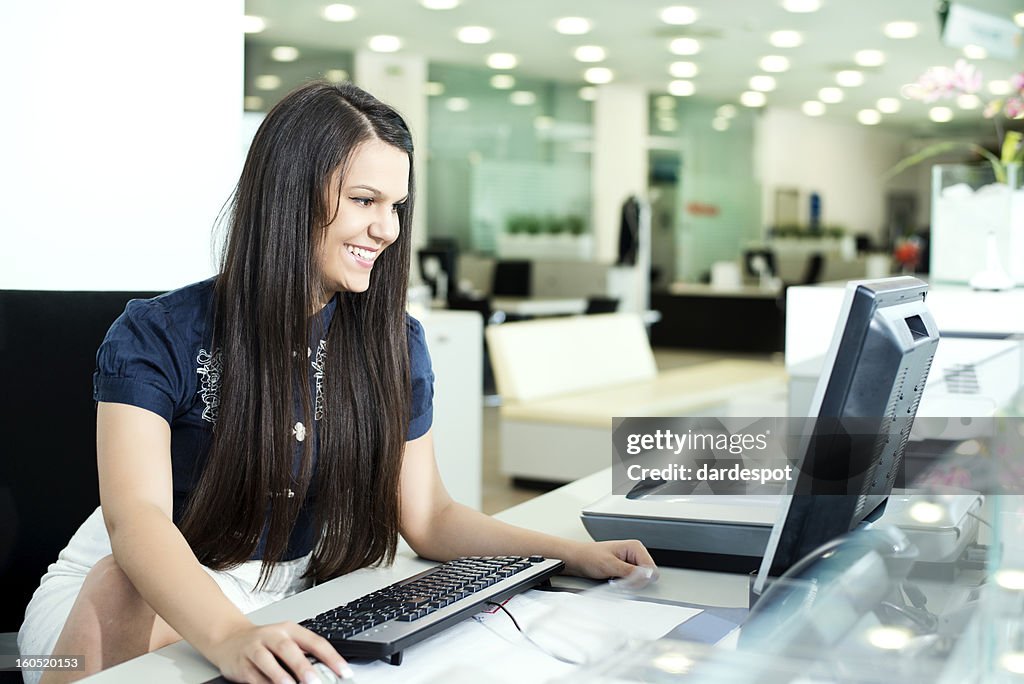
(526, 636)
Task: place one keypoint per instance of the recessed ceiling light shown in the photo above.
(475, 35)
(457, 104)
(813, 108)
(682, 69)
(830, 95)
(573, 26)
(999, 87)
(284, 53)
(253, 102)
(336, 75)
(678, 15)
(682, 88)
(665, 102)
(720, 124)
(968, 101)
(975, 52)
(502, 60)
(1018, 19)
(888, 105)
(522, 98)
(869, 58)
(385, 43)
(801, 6)
(339, 12)
(503, 81)
(253, 24)
(850, 78)
(587, 93)
(589, 53)
(900, 30)
(786, 39)
(869, 117)
(267, 82)
(440, 4)
(434, 88)
(774, 64)
(763, 83)
(598, 75)
(684, 46)
(726, 111)
(940, 114)
(889, 638)
(752, 98)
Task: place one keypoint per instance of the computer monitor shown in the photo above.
(862, 412)
(438, 262)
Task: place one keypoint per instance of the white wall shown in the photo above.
(843, 163)
(120, 125)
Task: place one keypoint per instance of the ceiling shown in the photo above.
(733, 36)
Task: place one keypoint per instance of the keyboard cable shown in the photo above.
(529, 639)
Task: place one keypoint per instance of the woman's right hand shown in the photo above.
(275, 654)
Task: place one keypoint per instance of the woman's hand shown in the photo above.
(275, 654)
(601, 560)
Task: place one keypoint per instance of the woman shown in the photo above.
(270, 428)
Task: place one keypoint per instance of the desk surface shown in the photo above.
(556, 512)
(540, 306)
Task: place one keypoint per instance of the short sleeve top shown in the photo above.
(158, 356)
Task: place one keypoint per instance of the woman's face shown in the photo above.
(366, 215)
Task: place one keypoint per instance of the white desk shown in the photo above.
(540, 306)
(556, 512)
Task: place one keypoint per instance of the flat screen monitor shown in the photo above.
(861, 415)
(438, 262)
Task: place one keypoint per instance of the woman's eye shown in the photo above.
(396, 207)
(363, 201)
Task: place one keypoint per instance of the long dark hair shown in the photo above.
(270, 282)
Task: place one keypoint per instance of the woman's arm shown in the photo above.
(439, 528)
(136, 489)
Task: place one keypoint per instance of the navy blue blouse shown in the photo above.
(158, 356)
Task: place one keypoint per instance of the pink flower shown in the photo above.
(943, 83)
(1017, 82)
(1014, 108)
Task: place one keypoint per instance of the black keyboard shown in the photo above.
(384, 623)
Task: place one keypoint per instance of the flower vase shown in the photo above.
(977, 225)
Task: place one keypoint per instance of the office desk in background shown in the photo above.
(540, 306)
(556, 512)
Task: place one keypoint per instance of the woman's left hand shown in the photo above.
(602, 560)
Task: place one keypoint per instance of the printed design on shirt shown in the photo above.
(318, 365)
(209, 371)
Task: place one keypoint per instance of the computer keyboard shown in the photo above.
(385, 622)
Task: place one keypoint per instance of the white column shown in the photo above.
(120, 140)
(400, 80)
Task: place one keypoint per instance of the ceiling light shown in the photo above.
(663, 102)
(813, 108)
(888, 105)
(968, 101)
(763, 83)
(869, 58)
(522, 98)
(252, 102)
(502, 60)
(999, 87)
(900, 29)
(284, 53)
(339, 12)
(589, 53)
(720, 124)
(940, 114)
(598, 75)
(975, 52)
(752, 98)
(1010, 579)
(475, 35)
(869, 117)
(252, 24)
(503, 82)
(457, 104)
(889, 638)
(726, 111)
(682, 69)
(786, 39)
(850, 78)
(774, 64)
(384, 43)
(267, 82)
(587, 93)
(927, 512)
(830, 95)
(573, 26)
(440, 4)
(684, 46)
(434, 88)
(801, 6)
(667, 123)
(1018, 19)
(678, 15)
(336, 75)
(1012, 661)
(681, 88)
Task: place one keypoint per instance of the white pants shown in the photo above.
(51, 603)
